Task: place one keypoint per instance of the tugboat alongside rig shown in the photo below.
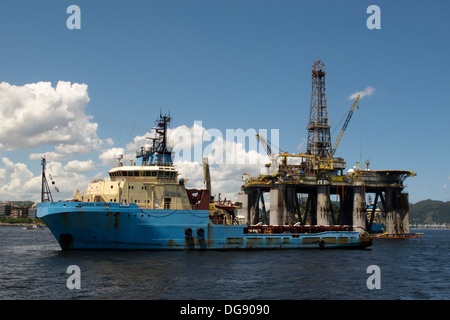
(144, 206)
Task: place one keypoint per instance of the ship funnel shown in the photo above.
(206, 174)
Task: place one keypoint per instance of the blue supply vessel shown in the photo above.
(143, 206)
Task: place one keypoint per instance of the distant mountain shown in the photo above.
(429, 212)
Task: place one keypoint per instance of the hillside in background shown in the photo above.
(429, 212)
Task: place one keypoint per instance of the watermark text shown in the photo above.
(74, 280)
(374, 280)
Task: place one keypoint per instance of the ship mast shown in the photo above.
(160, 142)
(158, 152)
(46, 195)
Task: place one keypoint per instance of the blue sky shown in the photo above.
(231, 64)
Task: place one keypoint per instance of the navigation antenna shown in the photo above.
(159, 152)
(46, 195)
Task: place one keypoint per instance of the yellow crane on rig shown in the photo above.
(284, 155)
(339, 138)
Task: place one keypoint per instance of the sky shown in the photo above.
(78, 96)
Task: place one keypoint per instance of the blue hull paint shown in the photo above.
(95, 225)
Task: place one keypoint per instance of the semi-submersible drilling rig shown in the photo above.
(317, 174)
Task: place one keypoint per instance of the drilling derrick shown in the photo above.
(319, 138)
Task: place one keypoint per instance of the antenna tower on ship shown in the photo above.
(158, 152)
(46, 195)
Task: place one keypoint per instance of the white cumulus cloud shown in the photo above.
(79, 166)
(37, 114)
(18, 182)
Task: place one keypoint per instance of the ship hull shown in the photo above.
(111, 226)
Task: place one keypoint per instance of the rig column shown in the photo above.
(359, 212)
(397, 209)
(323, 205)
(404, 209)
(277, 206)
(243, 211)
(390, 211)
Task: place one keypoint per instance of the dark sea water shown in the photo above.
(32, 266)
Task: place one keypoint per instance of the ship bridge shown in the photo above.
(144, 173)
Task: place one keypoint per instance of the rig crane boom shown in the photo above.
(264, 143)
(349, 116)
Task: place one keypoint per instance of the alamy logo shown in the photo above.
(74, 21)
(374, 281)
(374, 21)
(74, 281)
